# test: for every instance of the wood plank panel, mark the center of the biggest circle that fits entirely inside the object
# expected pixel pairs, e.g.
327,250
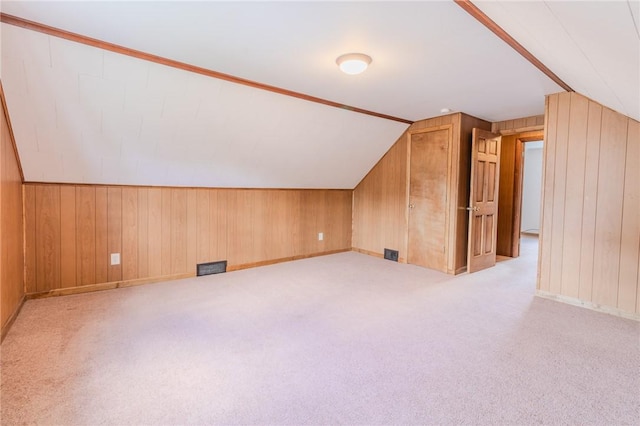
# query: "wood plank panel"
559,191
86,234
589,201
155,232
47,237
68,259
505,198
548,173
102,235
630,244
166,222
202,226
574,195
246,227
30,239
192,224
240,227
114,223
600,236
609,208
129,233
143,232
12,261
178,230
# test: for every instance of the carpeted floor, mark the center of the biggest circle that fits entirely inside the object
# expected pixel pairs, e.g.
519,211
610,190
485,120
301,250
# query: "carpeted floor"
340,339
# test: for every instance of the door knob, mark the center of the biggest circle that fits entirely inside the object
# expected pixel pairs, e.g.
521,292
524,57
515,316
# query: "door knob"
473,209
411,206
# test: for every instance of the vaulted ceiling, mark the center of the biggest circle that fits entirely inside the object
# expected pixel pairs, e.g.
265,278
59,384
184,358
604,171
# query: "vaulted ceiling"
88,115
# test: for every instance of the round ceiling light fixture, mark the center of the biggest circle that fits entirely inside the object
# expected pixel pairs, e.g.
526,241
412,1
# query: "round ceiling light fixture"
353,63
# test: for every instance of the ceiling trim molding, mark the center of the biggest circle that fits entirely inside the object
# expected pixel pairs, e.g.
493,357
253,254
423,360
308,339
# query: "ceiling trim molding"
11,135
473,10
78,38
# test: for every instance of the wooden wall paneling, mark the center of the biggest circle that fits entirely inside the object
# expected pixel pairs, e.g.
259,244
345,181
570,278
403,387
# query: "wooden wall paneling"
202,226
630,244
589,201
380,202
192,218
262,232
559,191
574,196
129,256
68,242
143,232
535,122
178,230
547,197
225,202
47,237
114,224
278,218
609,208
505,197
12,250
30,238
239,227
156,242
166,222
86,235
102,235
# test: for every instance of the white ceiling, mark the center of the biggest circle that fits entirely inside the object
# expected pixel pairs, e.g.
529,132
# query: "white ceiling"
594,46
81,114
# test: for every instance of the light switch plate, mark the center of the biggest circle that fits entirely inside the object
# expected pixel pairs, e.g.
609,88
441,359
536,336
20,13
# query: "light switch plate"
320,236
115,258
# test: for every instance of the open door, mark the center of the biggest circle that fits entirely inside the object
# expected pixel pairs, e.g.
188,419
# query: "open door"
483,200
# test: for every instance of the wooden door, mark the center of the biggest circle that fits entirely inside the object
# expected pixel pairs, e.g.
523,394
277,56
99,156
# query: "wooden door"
483,200
428,198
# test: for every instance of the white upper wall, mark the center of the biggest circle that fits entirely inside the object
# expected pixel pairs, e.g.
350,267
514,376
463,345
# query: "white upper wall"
84,115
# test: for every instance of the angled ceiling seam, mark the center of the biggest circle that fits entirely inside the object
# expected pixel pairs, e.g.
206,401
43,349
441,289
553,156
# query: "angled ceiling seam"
79,38
481,17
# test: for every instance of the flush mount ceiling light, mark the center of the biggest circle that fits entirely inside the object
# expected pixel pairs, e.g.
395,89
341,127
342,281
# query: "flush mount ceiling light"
353,63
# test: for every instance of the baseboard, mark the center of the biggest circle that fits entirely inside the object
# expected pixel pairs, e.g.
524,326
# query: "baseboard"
588,305
106,286
141,281
12,318
375,254
283,259
460,270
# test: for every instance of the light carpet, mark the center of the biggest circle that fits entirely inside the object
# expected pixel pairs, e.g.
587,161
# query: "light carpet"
340,339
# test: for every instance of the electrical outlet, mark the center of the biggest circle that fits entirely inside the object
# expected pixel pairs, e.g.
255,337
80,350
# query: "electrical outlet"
115,258
320,236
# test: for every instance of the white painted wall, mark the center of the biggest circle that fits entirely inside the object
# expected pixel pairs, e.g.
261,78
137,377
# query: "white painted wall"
531,187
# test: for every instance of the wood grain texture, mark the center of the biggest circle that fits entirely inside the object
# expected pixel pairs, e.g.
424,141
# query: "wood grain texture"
381,199
12,278
574,194
47,237
590,230
68,271
129,234
504,244
246,227
518,125
630,243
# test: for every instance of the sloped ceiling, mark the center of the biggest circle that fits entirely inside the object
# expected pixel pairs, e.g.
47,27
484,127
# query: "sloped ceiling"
594,46
82,114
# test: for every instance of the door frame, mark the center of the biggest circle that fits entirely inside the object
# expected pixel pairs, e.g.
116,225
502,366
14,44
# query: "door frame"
409,134
516,216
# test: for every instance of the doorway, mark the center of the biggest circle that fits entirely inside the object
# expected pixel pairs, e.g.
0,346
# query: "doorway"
510,201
